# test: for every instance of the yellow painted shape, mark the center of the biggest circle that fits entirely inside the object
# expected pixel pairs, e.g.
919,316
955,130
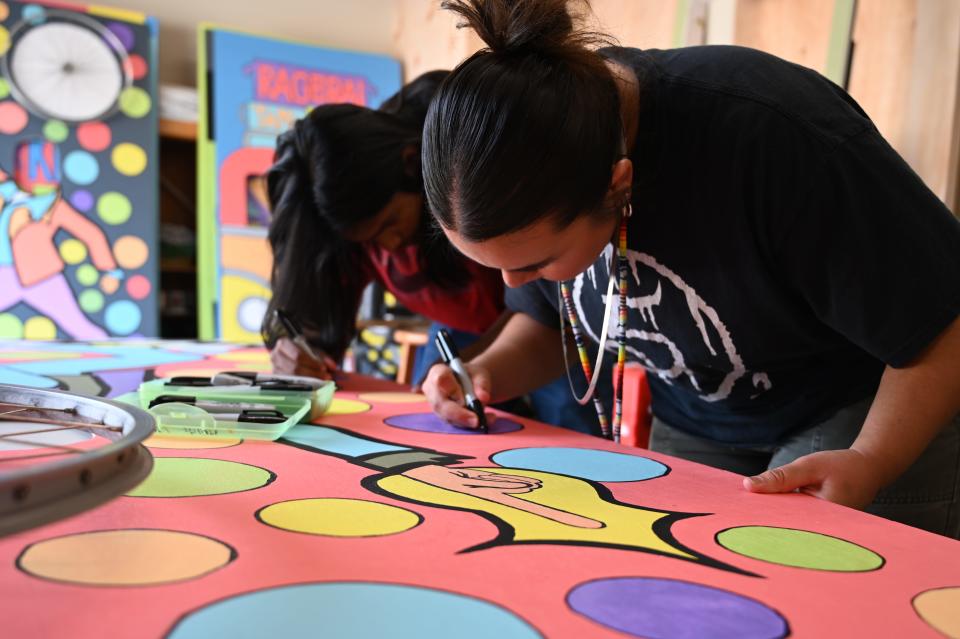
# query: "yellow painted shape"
377,340
36,356
630,526
941,609
117,14
125,557
258,355
188,443
234,290
339,517
39,328
341,406
393,398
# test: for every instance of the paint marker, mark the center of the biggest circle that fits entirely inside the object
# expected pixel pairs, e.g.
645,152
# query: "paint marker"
452,359
210,406
266,381
252,417
295,333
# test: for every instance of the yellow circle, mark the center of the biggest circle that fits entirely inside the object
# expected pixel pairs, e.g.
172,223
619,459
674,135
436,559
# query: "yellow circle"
129,159
4,40
188,443
109,284
131,252
939,609
393,398
125,557
338,517
39,328
346,407
246,355
73,251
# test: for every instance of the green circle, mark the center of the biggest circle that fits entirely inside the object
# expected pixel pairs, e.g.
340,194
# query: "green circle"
87,275
193,477
91,300
11,327
134,102
799,549
55,131
4,88
114,208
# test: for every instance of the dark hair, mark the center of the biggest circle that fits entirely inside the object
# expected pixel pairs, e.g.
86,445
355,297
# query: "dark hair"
525,129
337,167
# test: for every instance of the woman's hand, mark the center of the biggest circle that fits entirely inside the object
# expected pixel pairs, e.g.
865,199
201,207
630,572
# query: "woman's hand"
445,395
288,359
846,477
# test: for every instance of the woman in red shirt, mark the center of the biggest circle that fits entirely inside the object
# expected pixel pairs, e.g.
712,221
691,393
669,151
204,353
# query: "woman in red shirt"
348,207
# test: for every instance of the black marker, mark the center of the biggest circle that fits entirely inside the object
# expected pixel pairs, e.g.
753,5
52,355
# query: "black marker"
448,351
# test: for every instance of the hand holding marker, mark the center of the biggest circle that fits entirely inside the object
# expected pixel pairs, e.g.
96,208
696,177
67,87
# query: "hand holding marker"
452,359
294,332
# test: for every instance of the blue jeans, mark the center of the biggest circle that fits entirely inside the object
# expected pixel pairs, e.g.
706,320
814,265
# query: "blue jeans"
551,404
926,496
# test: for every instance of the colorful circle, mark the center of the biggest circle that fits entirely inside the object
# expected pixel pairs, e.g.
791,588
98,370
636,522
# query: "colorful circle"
91,300
94,136
341,406
134,102
55,131
352,609
338,517
130,251
138,287
938,607
11,326
138,67
34,13
586,463
73,251
250,313
129,159
4,85
81,168
799,549
4,11
114,208
87,275
13,118
4,39
124,34
52,436
82,200
122,317
393,398
193,477
39,328
651,607
430,423
188,443
125,557
109,284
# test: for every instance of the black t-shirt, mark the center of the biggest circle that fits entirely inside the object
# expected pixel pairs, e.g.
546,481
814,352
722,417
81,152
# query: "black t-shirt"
781,252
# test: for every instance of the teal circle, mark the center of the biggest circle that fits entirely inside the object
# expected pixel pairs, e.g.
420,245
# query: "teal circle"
4,88
352,609
91,300
122,317
34,14
55,131
114,208
586,463
81,167
88,275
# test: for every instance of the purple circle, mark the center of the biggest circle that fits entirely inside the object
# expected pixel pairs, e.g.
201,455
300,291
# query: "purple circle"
661,608
430,423
124,34
82,200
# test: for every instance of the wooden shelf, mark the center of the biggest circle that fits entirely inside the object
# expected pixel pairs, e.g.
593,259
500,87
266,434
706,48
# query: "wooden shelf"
178,130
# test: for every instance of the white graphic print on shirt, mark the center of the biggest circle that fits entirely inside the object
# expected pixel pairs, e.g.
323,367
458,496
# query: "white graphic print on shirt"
671,330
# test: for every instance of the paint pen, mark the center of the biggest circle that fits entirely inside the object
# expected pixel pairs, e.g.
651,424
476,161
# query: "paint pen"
448,351
210,406
295,333
268,381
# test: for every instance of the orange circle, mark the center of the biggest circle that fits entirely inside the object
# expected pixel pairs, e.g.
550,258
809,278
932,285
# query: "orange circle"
131,251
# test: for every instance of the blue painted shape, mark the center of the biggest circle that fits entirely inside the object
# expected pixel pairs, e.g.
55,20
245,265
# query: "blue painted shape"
356,610
336,442
586,463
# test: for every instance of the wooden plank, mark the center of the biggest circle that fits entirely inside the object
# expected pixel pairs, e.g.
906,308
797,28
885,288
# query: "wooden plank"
796,31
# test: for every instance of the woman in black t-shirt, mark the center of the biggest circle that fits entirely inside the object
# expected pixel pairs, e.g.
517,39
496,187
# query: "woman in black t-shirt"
790,284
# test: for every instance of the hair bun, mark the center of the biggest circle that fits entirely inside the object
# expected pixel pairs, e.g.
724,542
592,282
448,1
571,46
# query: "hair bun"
508,26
